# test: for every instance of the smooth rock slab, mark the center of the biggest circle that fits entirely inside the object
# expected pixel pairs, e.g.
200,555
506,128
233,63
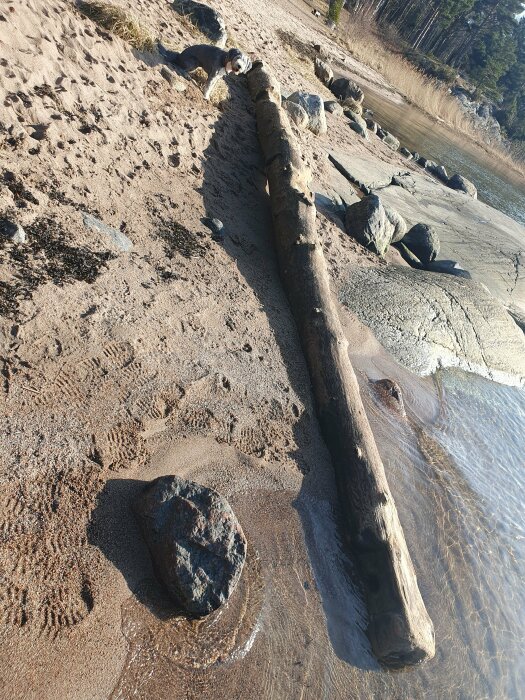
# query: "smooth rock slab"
196,542
429,320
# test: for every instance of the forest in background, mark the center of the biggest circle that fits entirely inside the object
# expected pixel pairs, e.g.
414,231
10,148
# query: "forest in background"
482,40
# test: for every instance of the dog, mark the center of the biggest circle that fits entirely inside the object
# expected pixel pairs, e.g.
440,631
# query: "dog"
214,61
316,13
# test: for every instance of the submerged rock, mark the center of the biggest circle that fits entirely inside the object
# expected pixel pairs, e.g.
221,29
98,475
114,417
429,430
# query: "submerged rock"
458,182
367,222
314,108
343,88
210,22
196,543
323,71
389,393
423,241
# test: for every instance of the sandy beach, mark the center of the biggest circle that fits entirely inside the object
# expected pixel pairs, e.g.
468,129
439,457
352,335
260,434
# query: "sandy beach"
136,345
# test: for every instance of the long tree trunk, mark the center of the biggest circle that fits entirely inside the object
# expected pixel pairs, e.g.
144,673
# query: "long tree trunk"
400,630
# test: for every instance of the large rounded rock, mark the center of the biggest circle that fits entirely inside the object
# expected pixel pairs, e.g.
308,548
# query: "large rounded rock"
423,241
458,182
323,71
367,222
333,107
343,88
314,108
205,18
297,114
397,221
196,543
358,128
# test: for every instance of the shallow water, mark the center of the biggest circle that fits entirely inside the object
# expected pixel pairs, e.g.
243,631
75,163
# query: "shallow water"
295,626
497,185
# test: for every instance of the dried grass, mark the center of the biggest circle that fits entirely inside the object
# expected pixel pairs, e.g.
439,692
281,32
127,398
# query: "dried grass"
429,94
119,22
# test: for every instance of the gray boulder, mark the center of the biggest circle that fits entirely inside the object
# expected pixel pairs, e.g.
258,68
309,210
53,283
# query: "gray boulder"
405,152
367,222
431,166
323,71
196,543
12,231
350,105
371,125
333,107
357,119
458,182
358,128
423,241
423,162
439,171
397,221
314,107
297,114
391,141
416,156
207,20
343,88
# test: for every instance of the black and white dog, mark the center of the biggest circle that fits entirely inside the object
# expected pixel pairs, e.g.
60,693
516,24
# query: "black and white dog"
216,62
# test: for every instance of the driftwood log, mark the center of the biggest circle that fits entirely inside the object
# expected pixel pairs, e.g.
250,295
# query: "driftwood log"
400,630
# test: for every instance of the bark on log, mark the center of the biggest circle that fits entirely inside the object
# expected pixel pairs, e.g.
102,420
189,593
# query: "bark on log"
400,630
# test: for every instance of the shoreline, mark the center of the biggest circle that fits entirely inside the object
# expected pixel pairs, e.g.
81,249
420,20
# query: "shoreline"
178,355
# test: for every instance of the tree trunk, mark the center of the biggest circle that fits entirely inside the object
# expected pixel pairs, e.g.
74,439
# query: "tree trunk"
400,630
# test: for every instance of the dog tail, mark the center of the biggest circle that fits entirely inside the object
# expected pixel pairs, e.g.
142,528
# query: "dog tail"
169,55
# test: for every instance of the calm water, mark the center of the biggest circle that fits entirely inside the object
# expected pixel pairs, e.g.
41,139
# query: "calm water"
497,185
294,627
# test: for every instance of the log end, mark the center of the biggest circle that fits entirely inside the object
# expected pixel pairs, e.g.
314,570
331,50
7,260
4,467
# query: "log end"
395,645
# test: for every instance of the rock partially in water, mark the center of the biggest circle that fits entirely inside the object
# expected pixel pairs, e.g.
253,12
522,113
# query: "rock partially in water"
367,222
343,88
314,108
372,125
458,182
196,542
439,171
391,141
389,393
323,71
423,241
206,19
405,152
352,106
429,320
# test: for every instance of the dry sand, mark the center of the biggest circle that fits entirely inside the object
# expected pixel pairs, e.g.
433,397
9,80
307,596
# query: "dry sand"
179,355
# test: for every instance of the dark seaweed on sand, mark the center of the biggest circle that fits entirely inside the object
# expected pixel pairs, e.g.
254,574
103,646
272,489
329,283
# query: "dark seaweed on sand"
46,257
178,239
